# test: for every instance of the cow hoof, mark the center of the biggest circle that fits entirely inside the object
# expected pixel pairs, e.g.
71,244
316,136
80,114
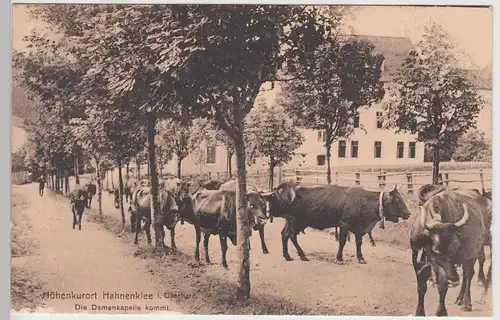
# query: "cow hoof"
288,258
136,242
361,261
374,245
441,313
481,279
225,266
265,251
459,301
304,258
466,307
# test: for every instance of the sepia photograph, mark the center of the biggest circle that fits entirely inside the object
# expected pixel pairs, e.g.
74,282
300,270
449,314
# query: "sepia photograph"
249,159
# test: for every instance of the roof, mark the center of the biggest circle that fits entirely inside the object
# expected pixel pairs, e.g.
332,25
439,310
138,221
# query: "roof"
394,49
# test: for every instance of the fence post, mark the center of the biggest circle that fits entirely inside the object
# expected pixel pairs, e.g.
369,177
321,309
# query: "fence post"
481,177
447,179
210,175
358,178
297,175
381,179
441,179
409,180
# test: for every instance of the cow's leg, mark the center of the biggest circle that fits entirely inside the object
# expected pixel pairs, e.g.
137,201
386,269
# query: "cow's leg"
74,216
337,234
172,238
441,310
198,239
205,245
132,222
285,235
344,231
372,242
359,243
262,241
423,274
147,227
293,237
223,246
80,214
137,226
460,297
467,278
481,259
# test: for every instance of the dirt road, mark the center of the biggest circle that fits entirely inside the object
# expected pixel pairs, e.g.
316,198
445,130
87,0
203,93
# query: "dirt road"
91,261
96,260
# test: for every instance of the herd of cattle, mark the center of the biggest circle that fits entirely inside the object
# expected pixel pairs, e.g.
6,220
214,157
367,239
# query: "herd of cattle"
451,229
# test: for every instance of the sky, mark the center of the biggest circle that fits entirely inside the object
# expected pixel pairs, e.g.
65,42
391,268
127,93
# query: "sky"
470,28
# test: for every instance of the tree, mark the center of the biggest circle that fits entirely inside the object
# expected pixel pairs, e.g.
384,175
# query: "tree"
275,137
473,146
341,77
431,97
17,160
177,140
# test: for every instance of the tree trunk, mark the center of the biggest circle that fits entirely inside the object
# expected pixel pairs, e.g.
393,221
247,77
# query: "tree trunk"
138,170
107,179
58,181
243,226
156,215
120,192
179,166
99,186
435,165
329,168
271,173
75,164
66,181
148,172
128,172
229,165
111,173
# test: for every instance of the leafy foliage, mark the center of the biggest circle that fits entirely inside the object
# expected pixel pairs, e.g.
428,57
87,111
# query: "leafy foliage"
431,97
274,135
340,77
473,146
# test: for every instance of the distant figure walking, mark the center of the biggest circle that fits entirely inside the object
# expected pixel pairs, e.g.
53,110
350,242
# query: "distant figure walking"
41,185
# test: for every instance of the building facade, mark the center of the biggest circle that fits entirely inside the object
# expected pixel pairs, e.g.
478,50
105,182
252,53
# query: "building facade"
370,144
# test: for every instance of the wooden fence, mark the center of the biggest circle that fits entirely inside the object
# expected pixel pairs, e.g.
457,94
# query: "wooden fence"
408,181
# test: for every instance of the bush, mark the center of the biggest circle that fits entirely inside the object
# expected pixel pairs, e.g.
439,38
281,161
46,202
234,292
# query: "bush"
473,146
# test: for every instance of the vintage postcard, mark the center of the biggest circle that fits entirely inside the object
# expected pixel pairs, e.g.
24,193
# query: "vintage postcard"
251,160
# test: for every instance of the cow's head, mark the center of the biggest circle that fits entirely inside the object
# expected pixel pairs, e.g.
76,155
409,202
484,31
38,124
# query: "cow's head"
394,206
441,234
256,211
283,196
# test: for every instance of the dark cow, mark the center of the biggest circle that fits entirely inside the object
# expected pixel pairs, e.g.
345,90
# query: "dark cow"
482,255
231,185
214,212
78,201
351,209
141,200
91,191
450,230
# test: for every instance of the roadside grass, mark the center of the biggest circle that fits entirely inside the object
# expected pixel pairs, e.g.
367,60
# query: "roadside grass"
25,287
179,272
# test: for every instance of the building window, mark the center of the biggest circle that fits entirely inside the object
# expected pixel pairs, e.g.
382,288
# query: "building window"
321,136
342,146
356,121
321,160
378,149
354,149
211,154
379,120
412,150
401,149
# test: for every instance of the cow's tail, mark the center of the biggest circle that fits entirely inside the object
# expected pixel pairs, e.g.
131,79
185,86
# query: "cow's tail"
488,282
